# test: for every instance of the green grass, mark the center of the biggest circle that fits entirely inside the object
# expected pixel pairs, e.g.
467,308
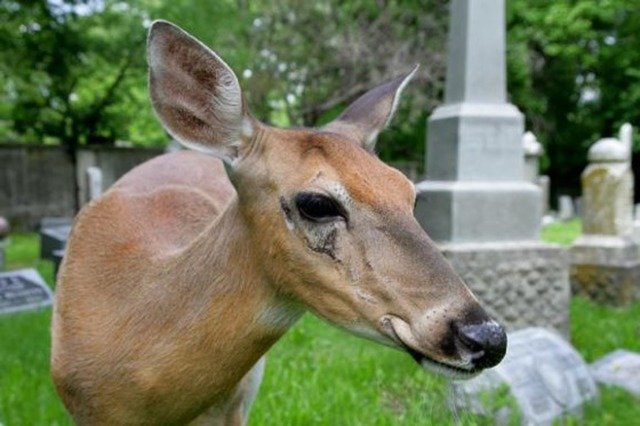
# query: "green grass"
562,232
27,396
316,375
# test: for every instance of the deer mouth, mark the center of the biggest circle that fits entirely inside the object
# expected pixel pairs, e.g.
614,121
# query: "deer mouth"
461,371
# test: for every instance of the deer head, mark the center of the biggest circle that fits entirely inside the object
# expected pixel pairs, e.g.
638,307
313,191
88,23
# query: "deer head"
332,225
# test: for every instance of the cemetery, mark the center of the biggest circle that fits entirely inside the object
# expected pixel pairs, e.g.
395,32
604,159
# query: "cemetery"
551,251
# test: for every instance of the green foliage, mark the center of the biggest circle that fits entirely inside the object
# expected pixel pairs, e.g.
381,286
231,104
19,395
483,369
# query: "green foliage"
574,69
73,71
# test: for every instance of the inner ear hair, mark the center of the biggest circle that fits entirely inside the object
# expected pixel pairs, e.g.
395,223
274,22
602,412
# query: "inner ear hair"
195,94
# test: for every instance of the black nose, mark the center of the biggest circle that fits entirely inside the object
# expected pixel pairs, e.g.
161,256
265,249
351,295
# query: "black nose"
487,342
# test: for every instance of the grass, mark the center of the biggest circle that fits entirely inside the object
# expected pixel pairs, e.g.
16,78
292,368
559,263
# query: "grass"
563,233
316,375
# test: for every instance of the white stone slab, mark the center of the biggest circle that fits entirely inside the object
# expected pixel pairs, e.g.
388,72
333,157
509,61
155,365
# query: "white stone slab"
619,368
545,375
566,209
23,290
94,182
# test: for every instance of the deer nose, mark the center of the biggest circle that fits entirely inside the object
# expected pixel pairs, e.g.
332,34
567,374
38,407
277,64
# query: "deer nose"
486,342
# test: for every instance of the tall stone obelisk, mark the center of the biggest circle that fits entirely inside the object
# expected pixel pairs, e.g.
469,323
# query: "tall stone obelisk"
475,189
475,201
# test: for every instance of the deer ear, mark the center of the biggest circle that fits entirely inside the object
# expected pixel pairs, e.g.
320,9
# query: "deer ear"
195,94
371,113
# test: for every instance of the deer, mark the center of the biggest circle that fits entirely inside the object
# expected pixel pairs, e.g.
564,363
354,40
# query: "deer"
180,277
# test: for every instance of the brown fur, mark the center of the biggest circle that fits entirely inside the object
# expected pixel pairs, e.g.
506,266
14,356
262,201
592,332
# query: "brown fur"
179,279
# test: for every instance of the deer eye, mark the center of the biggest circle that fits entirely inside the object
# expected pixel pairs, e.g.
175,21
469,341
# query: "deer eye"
319,208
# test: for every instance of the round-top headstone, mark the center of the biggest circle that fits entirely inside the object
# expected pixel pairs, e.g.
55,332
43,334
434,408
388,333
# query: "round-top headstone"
531,145
626,135
609,150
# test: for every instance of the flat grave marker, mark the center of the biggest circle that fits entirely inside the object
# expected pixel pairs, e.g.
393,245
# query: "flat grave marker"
52,239
23,290
619,368
544,374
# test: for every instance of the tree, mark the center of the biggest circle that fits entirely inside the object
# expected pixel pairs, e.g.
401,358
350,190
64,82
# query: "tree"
71,70
314,58
574,69
74,71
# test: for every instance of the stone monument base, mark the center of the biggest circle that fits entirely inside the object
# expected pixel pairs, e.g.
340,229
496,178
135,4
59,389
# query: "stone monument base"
606,269
521,284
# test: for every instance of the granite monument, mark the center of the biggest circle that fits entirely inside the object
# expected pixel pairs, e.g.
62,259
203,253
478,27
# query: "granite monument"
475,202
605,260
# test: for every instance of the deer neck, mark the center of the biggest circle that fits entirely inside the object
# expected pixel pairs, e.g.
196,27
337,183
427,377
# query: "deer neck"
232,314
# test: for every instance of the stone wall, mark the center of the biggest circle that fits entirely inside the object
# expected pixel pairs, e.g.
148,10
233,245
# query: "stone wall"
35,182
114,162
521,284
40,181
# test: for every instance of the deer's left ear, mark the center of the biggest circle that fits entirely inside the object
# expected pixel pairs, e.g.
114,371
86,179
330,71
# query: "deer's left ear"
371,113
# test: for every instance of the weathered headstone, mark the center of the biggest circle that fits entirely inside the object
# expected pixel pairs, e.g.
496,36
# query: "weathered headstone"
54,222
475,202
605,260
4,233
94,182
566,209
544,374
533,150
54,233
619,368
52,239
23,290
636,223
57,260
577,203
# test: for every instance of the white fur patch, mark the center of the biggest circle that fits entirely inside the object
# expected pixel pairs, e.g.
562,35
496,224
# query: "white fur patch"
396,98
340,193
368,332
279,316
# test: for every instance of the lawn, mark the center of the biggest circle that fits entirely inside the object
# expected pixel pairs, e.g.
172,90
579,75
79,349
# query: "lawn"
316,375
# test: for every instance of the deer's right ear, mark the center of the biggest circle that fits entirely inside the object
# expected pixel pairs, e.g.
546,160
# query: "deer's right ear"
195,94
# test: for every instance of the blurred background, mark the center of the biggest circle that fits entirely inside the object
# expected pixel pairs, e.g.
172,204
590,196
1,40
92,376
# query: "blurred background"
73,95
73,73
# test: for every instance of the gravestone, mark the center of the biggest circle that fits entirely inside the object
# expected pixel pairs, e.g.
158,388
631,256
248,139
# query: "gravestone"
566,208
636,223
577,203
475,202
605,260
619,368
94,182
543,373
4,234
53,222
54,233
23,290
533,150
